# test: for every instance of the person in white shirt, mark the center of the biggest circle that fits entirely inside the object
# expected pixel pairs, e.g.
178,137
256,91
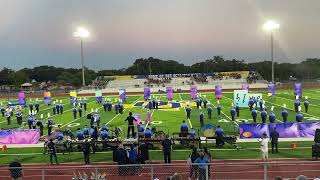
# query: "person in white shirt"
264,147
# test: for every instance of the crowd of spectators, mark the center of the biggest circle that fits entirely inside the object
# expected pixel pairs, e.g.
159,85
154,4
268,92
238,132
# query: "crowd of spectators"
221,76
252,77
158,81
200,78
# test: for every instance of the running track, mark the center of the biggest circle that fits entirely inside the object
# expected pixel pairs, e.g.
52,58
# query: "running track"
226,169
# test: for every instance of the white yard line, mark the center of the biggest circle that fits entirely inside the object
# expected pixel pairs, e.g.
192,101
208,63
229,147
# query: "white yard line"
294,100
180,97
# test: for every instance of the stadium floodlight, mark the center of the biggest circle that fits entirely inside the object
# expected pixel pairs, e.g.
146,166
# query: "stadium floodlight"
82,33
271,26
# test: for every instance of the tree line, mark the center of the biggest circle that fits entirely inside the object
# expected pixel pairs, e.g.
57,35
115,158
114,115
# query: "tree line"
308,69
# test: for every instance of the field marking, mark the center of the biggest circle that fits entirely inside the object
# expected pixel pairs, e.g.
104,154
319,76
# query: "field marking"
226,116
190,123
294,100
79,117
180,97
292,109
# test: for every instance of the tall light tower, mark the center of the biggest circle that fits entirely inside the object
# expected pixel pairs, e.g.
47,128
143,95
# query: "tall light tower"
271,26
82,33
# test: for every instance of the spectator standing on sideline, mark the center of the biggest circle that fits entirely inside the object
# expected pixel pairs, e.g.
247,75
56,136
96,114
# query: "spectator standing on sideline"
274,136
264,147
193,168
133,156
122,159
52,151
143,153
202,162
207,155
166,148
15,169
86,151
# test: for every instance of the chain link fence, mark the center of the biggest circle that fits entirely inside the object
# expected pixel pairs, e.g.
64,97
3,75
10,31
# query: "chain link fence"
178,171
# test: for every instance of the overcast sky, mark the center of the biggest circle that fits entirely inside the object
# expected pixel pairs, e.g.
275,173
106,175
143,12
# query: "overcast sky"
38,32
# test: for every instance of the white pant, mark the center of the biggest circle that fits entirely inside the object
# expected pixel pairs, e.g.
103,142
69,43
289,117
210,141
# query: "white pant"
264,155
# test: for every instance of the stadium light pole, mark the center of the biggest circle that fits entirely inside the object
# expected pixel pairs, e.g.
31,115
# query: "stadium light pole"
271,26
82,33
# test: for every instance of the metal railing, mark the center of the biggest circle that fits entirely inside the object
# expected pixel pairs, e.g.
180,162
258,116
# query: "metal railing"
178,171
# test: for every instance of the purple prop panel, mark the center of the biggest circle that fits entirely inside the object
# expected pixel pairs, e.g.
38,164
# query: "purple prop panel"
218,91
286,130
193,92
272,89
253,130
147,93
73,100
169,93
47,100
22,98
138,118
122,94
99,99
298,89
245,87
19,136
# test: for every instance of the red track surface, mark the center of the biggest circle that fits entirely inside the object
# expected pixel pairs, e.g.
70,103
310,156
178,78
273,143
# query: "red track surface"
228,169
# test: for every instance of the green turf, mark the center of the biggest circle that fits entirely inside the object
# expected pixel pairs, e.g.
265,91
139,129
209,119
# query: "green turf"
246,151
170,121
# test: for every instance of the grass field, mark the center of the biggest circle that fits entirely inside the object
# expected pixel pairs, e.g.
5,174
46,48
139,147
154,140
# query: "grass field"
169,120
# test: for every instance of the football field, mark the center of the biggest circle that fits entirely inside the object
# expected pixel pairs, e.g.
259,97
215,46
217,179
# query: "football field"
170,116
